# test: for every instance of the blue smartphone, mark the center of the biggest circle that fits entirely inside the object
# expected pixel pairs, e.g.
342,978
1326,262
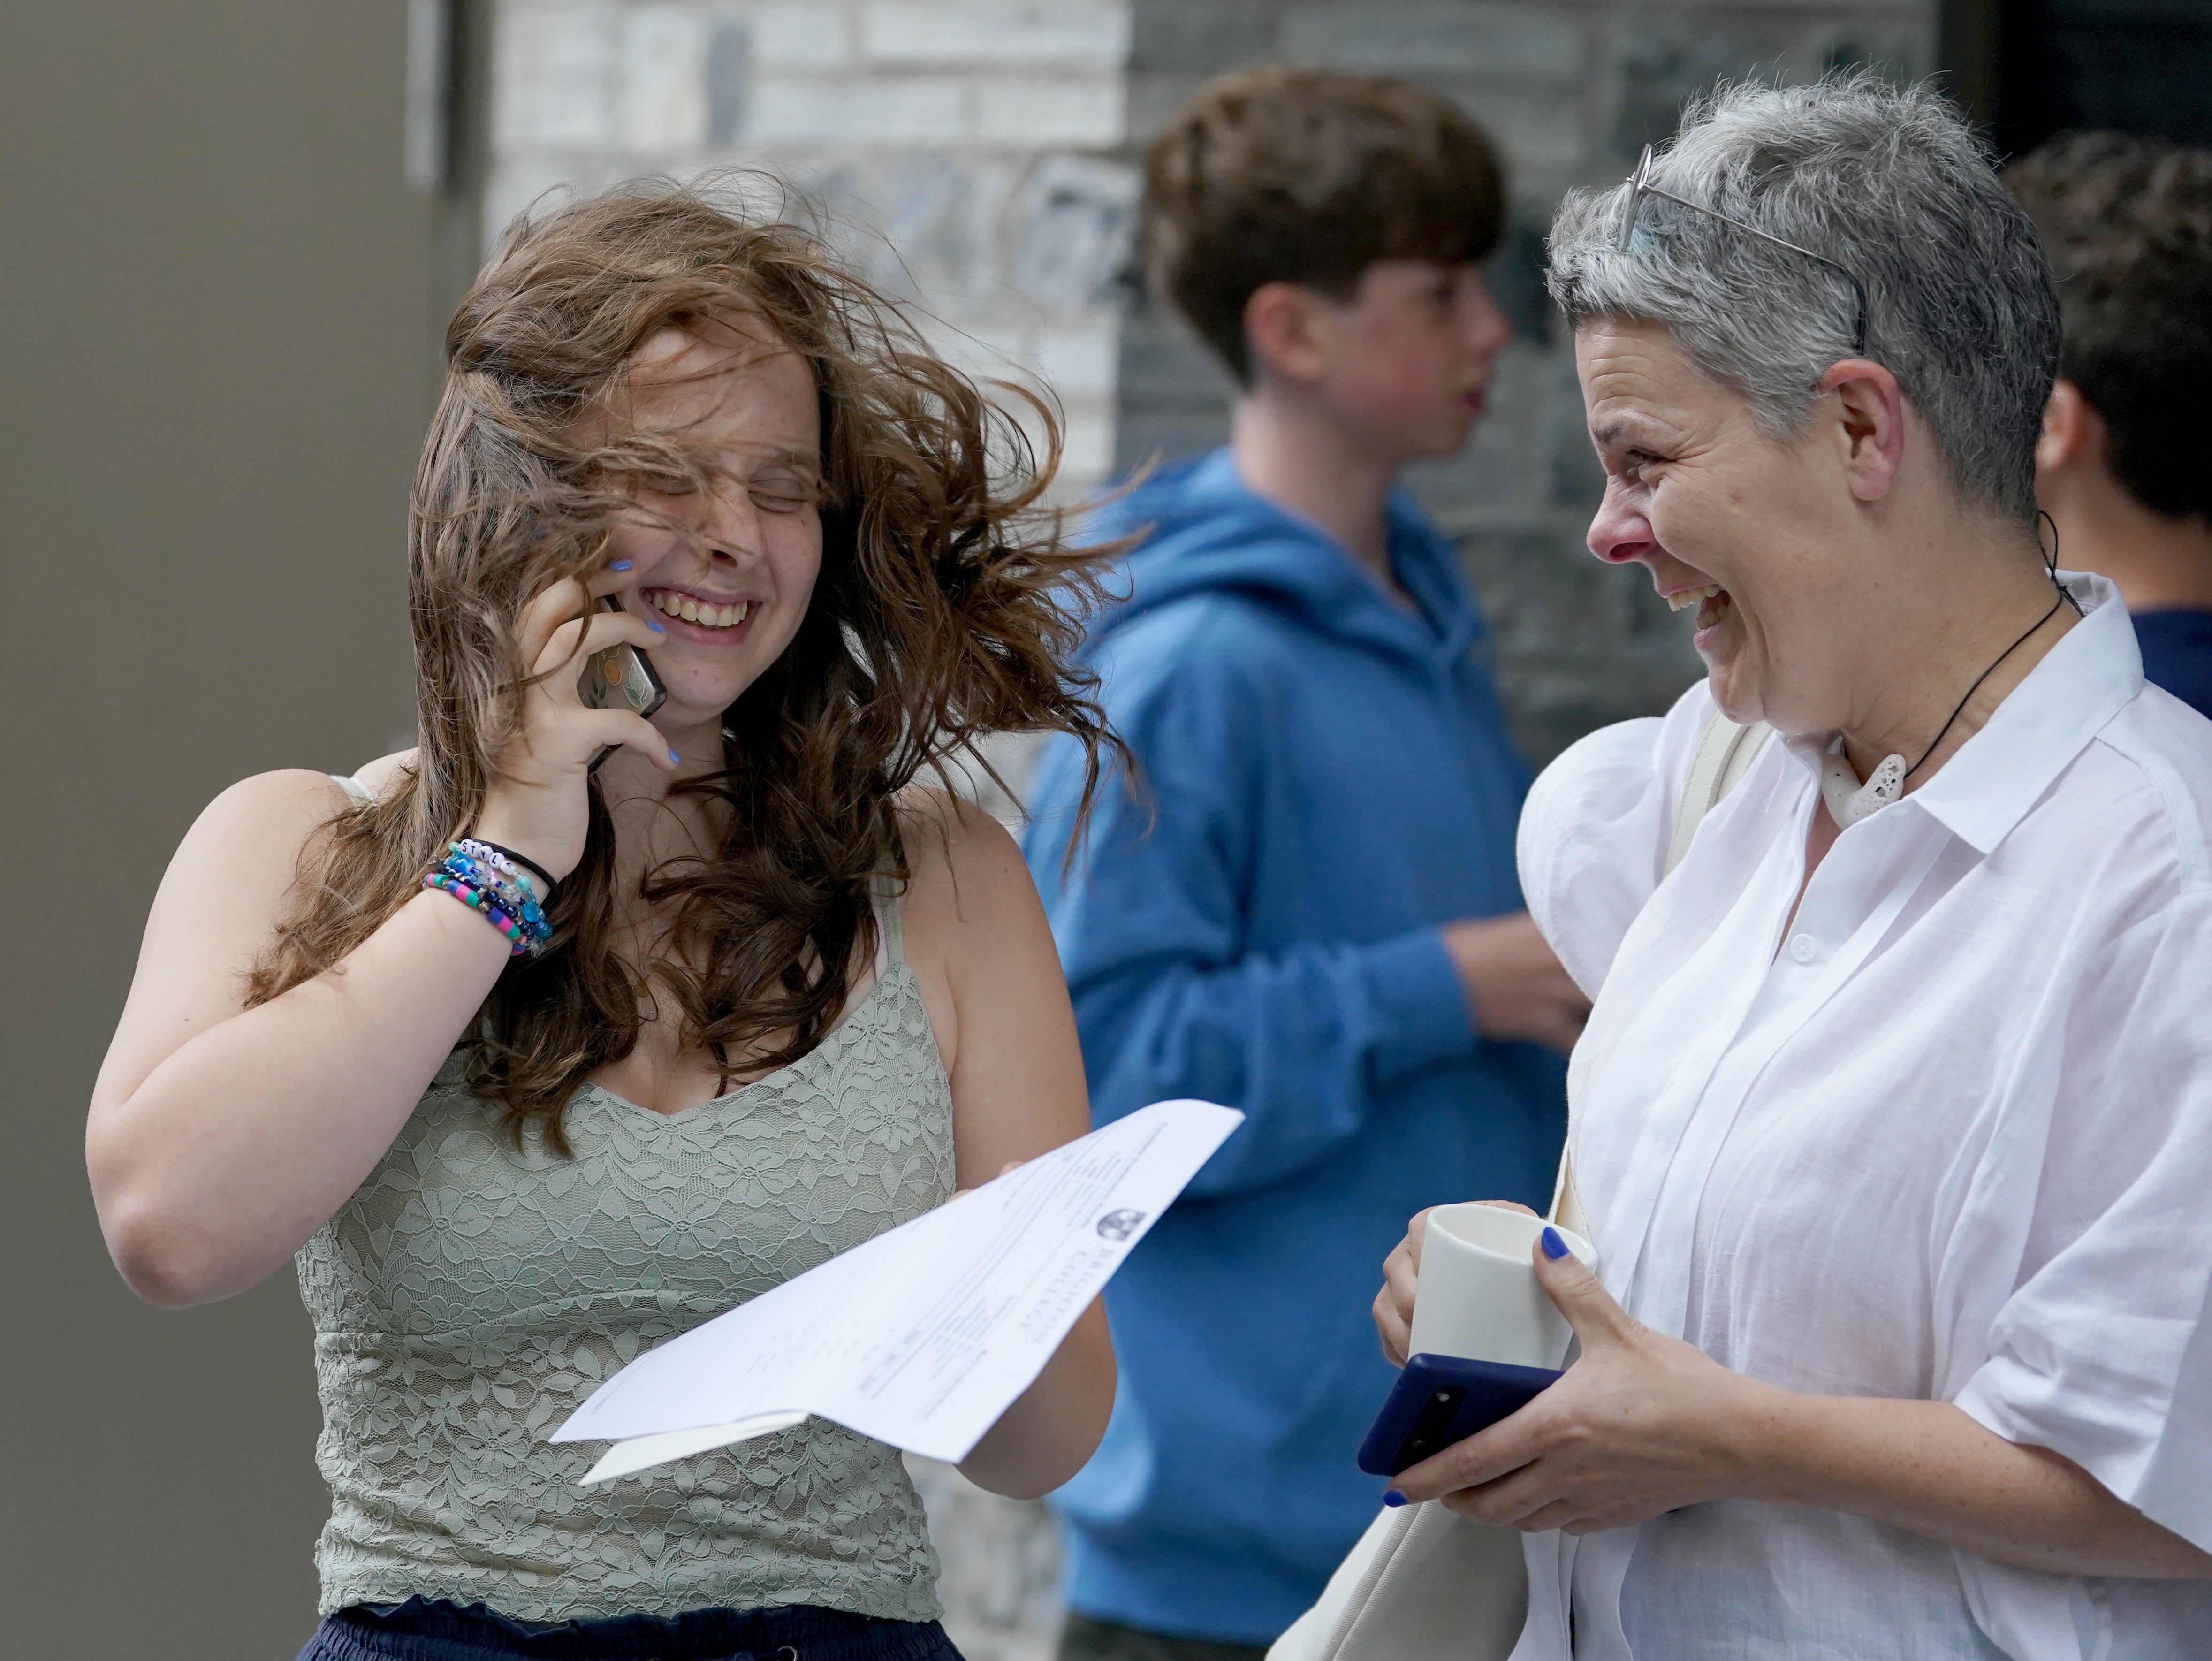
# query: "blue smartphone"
1442,1399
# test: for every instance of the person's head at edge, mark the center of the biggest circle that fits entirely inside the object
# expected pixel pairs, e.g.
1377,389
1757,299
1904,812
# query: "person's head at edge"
1857,531
1324,232
2121,466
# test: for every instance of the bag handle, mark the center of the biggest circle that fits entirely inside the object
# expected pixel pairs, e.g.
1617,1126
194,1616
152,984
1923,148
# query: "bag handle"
1724,754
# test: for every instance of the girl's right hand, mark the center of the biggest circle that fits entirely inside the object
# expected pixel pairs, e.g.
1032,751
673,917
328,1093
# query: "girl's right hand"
540,804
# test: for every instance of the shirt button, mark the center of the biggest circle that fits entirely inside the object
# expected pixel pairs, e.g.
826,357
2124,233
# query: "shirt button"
1804,948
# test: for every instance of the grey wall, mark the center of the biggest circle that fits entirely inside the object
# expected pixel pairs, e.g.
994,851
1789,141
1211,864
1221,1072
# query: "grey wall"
215,323
957,147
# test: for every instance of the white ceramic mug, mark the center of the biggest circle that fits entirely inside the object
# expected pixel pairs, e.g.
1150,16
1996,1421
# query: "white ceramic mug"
1477,1295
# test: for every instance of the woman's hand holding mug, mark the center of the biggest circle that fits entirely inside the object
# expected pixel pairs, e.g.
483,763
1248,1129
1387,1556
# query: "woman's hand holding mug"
1640,1423
540,804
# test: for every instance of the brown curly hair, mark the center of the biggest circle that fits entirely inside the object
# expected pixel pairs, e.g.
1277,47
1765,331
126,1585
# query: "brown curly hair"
946,608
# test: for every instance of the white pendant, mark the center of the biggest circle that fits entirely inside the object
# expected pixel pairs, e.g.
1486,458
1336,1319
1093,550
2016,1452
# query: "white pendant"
1849,801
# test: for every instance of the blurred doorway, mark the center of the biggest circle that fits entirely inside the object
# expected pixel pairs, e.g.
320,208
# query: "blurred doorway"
221,299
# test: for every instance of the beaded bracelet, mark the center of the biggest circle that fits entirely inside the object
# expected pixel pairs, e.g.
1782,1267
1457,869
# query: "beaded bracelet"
506,858
502,873
505,883
512,912
510,896
517,943
477,900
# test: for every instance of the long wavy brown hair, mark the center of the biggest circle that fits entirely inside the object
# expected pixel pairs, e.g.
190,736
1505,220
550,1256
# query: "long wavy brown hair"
947,607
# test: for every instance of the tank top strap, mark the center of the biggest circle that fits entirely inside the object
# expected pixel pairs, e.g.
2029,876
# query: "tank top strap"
890,933
353,788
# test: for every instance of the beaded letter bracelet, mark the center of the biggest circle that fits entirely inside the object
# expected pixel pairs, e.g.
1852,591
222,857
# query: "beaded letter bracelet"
520,867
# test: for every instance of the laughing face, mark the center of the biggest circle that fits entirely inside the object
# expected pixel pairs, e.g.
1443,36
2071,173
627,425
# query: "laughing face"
727,574
1750,532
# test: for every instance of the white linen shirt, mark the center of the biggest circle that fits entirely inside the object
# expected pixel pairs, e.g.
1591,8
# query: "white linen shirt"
1950,1140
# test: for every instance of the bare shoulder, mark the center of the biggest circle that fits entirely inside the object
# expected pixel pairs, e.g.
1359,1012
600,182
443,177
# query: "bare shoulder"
269,809
213,915
964,862
990,974
242,854
971,915
277,812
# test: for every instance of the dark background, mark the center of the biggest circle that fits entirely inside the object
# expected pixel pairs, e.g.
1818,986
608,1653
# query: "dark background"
220,298
2047,65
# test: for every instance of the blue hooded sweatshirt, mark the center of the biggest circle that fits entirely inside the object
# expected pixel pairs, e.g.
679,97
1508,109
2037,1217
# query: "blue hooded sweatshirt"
1326,779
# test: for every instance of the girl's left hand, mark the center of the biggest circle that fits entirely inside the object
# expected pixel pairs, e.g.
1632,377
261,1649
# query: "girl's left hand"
1641,1424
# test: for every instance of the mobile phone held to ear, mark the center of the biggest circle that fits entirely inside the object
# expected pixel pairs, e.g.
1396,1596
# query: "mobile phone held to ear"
1439,1400
619,677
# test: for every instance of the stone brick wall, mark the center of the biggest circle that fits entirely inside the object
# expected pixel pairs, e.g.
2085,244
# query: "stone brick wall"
981,157
965,150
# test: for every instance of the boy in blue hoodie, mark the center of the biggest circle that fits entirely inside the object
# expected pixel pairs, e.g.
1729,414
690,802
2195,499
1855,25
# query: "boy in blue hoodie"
1305,906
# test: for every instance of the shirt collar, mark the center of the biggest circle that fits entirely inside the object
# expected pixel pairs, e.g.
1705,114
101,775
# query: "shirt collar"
1996,775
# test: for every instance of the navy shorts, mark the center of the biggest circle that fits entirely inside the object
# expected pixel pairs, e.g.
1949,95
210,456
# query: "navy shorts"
420,1630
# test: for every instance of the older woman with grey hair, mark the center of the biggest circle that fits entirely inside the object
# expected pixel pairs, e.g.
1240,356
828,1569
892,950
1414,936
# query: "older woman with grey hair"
1892,1127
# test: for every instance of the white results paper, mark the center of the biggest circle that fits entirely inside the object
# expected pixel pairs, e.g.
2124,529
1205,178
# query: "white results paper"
924,1336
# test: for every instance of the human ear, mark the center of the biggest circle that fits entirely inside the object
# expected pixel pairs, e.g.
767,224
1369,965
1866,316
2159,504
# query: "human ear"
1284,329
1869,415
2073,431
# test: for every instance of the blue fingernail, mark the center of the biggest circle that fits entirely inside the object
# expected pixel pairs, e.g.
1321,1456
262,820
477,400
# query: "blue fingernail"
619,565
1554,1247
672,756
655,627
1393,1498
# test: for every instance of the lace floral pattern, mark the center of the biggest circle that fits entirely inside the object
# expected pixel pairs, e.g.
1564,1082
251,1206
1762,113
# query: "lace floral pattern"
468,1298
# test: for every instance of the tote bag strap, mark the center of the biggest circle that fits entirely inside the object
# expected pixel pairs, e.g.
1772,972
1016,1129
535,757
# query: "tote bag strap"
1566,1205
1724,754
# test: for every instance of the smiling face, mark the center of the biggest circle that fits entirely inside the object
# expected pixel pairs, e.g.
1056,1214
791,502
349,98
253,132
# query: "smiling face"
1761,537
727,573
1408,358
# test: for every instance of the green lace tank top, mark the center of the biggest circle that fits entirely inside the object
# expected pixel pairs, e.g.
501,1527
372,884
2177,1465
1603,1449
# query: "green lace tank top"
468,1298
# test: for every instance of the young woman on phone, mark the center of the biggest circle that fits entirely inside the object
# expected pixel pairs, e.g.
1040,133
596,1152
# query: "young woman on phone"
568,1029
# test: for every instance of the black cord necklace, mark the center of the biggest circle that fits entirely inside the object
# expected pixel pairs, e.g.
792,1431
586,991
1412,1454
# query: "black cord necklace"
2051,564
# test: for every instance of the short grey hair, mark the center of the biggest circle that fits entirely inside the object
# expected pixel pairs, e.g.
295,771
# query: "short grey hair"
1889,183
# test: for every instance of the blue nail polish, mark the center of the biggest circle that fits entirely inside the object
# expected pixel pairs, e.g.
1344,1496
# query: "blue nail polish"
655,627
619,565
1393,1498
1554,1247
672,756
